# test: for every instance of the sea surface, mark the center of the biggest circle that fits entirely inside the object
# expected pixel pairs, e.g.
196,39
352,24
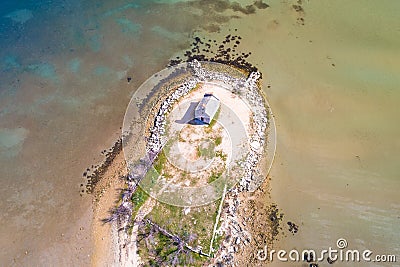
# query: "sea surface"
333,84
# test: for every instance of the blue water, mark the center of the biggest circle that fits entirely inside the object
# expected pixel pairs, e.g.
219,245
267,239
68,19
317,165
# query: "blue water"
63,94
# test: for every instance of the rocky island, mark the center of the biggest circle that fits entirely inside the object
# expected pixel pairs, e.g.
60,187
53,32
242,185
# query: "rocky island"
186,178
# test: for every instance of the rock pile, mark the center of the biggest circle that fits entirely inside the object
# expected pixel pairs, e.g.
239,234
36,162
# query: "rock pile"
155,142
257,140
235,234
225,52
94,174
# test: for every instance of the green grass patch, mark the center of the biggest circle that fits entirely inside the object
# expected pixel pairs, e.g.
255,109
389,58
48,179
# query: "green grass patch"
214,176
160,161
215,119
221,155
138,198
218,140
217,241
198,151
206,149
195,228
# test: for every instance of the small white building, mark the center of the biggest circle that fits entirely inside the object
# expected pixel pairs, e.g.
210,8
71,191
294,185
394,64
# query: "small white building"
207,108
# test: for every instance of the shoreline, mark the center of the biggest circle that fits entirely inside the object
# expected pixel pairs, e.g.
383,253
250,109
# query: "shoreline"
106,195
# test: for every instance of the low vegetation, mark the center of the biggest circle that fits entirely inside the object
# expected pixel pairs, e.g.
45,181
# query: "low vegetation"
215,119
138,199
